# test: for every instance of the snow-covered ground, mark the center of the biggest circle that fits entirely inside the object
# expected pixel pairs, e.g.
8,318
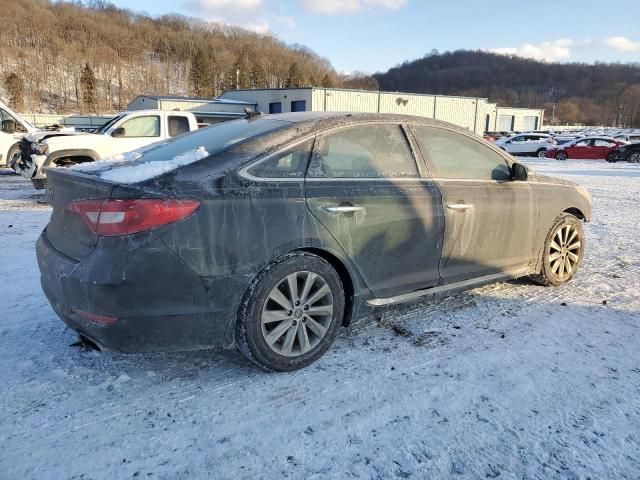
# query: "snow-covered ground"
512,380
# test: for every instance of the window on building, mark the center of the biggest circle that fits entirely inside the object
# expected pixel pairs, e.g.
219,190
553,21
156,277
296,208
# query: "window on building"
455,156
178,125
292,163
298,105
148,126
365,151
275,107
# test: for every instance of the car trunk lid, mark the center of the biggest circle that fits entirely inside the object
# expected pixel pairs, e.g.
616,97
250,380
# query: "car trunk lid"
66,231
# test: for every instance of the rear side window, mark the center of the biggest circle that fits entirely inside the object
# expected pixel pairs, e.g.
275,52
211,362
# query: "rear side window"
292,163
455,156
178,125
364,151
142,127
603,143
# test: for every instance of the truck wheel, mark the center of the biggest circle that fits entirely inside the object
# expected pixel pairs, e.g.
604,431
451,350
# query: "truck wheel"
13,151
291,313
562,252
39,183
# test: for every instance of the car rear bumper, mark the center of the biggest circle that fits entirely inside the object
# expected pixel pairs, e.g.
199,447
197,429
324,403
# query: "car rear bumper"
150,313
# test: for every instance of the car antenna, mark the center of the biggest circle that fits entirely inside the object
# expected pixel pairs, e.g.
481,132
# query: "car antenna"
251,113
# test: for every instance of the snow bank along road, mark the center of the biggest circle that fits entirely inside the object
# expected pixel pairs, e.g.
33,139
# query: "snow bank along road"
511,380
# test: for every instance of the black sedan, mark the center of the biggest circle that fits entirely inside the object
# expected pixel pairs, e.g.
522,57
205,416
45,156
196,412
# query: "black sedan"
629,153
270,233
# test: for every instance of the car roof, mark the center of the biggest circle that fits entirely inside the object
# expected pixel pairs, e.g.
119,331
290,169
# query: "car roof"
331,119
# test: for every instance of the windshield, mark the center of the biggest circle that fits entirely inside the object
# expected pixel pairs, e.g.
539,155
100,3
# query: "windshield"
106,126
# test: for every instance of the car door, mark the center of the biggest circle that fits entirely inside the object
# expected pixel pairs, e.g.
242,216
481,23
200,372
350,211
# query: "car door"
580,149
490,220
366,188
601,148
136,132
516,145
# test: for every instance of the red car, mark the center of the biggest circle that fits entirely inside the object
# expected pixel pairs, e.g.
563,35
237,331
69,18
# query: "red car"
592,148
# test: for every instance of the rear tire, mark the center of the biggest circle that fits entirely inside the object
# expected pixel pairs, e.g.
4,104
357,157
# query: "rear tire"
634,158
562,252
291,313
542,153
562,156
611,158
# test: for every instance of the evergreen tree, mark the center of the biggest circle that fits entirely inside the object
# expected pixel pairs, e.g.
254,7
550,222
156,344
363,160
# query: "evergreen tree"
200,76
295,78
88,85
15,88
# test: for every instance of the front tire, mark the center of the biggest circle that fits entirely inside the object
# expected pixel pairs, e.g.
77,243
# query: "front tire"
563,251
634,158
13,151
291,313
39,183
562,156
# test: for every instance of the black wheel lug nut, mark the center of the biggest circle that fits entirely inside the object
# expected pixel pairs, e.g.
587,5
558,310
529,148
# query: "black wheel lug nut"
297,303
306,307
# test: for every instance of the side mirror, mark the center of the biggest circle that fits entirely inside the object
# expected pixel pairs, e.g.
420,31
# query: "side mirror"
8,126
118,132
519,172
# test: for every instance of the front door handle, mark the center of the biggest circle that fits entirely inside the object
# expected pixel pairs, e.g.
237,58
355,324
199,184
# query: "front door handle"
337,209
459,206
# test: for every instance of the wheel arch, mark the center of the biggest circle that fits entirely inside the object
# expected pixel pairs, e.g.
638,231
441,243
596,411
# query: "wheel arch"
345,278
576,212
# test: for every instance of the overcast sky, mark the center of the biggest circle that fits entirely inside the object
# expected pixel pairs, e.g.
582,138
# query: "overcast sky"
374,35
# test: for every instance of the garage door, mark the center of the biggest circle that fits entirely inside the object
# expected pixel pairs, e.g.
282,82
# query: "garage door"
505,123
530,123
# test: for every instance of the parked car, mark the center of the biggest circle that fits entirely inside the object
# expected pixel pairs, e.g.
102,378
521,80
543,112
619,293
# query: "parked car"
589,148
626,153
527,144
12,129
270,233
125,132
629,137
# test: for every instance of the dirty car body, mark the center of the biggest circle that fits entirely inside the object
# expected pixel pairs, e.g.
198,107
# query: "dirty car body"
275,190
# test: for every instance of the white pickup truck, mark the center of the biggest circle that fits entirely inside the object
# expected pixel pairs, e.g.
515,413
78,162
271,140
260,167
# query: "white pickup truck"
12,129
123,133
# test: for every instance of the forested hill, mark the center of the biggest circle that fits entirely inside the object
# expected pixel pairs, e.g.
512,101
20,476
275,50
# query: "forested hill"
589,93
46,47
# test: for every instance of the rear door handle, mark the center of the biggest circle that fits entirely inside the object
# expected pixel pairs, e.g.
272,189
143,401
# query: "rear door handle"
459,206
342,208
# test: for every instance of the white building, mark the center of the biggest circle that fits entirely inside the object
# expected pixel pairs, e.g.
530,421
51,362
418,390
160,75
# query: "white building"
475,114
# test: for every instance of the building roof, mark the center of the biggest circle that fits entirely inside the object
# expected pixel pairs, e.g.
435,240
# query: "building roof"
177,98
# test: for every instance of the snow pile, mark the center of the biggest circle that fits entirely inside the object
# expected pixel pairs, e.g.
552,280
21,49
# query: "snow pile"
106,163
146,171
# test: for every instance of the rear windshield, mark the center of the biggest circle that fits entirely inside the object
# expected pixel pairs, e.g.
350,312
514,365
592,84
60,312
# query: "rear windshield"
159,158
214,139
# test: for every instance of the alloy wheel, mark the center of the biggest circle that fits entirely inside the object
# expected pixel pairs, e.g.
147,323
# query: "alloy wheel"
297,314
634,158
561,156
564,251
542,154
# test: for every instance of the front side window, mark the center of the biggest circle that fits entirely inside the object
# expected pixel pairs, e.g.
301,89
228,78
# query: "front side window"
292,163
142,127
364,151
582,143
456,156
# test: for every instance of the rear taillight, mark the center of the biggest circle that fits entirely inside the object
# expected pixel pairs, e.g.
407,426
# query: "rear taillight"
111,218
